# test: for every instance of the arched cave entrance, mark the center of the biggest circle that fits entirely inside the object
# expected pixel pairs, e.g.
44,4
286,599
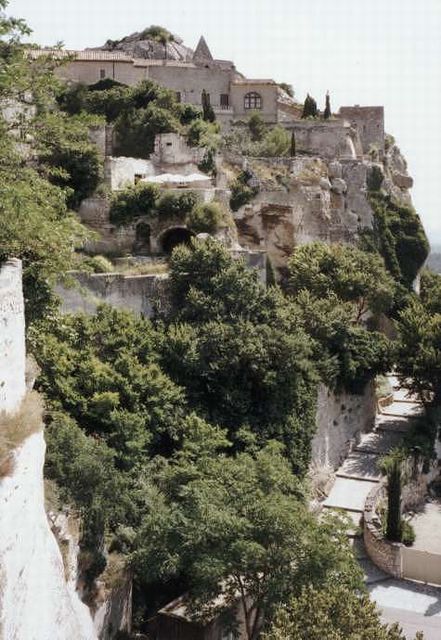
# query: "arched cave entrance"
142,239
174,236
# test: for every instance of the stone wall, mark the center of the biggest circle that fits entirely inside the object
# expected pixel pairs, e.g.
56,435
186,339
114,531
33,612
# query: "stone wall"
120,172
369,121
386,555
340,420
12,336
332,139
143,294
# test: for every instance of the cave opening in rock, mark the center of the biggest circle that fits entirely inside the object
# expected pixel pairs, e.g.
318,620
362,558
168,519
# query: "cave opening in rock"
173,237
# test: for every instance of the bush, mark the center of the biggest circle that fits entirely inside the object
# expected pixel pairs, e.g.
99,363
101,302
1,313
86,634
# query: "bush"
257,127
205,218
407,533
136,129
241,193
276,143
177,205
133,202
98,264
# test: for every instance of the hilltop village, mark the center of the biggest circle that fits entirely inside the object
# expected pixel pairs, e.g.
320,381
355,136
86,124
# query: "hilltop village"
205,283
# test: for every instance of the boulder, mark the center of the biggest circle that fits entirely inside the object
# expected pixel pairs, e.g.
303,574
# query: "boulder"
339,185
402,180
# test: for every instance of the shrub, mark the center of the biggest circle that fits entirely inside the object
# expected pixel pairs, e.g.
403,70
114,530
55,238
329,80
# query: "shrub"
177,205
187,113
136,129
205,218
133,202
276,143
241,193
98,264
257,127
203,134
408,533
208,164
309,107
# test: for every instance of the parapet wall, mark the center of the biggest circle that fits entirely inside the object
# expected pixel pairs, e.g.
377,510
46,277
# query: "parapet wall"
12,336
331,140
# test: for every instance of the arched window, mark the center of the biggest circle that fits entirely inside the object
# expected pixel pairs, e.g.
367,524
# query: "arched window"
253,100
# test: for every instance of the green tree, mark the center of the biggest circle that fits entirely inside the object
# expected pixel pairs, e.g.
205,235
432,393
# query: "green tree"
207,110
257,127
292,151
394,481
334,612
418,351
237,527
309,108
350,273
206,218
133,202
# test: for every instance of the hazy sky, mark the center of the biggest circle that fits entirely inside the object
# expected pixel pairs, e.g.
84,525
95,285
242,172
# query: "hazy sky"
365,52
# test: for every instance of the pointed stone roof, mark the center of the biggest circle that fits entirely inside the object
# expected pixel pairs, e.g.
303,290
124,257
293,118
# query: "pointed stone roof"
202,51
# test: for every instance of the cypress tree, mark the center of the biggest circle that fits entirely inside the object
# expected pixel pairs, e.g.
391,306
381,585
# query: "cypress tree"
327,112
207,109
293,145
394,528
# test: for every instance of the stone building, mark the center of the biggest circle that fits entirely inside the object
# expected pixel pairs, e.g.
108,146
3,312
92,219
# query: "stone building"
369,122
185,72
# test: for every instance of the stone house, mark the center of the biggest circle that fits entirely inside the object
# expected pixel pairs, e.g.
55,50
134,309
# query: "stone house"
231,95
173,622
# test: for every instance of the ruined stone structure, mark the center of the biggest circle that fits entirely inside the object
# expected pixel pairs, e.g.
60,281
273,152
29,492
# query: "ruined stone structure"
369,121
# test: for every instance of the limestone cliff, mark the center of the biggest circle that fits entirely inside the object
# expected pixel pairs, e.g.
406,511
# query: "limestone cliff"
36,601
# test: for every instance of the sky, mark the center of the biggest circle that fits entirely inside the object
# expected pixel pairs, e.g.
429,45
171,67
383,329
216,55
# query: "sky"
373,52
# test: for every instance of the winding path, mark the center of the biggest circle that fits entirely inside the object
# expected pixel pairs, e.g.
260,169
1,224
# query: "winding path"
413,605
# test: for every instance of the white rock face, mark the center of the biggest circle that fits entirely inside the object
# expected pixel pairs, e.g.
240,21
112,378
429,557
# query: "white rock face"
12,337
35,601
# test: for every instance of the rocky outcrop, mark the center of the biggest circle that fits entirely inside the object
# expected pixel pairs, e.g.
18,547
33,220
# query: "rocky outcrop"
141,45
36,602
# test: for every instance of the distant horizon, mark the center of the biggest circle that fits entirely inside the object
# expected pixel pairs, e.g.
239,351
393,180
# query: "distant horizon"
377,54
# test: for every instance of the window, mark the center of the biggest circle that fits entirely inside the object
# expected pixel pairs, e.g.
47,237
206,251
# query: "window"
253,100
102,74
178,96
224,101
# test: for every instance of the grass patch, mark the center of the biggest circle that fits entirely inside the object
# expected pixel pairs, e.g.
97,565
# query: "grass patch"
16,427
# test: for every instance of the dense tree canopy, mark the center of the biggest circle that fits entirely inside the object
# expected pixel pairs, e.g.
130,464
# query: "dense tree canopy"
332,613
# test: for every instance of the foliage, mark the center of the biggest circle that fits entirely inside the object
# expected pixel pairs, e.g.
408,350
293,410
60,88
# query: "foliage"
132,202
407,533
37,228
103,371
160,34
205,218
207,110
136,129
309,108
208,163
258,542
257,127
287,88
292,149
97,264
188,113
394,484
398,236
180,205
201,133
331,612
238,355
347,272
276,143
241,192
72,161
419,350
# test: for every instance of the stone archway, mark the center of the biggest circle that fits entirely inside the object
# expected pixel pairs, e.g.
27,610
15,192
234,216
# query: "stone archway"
143,234
174,236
